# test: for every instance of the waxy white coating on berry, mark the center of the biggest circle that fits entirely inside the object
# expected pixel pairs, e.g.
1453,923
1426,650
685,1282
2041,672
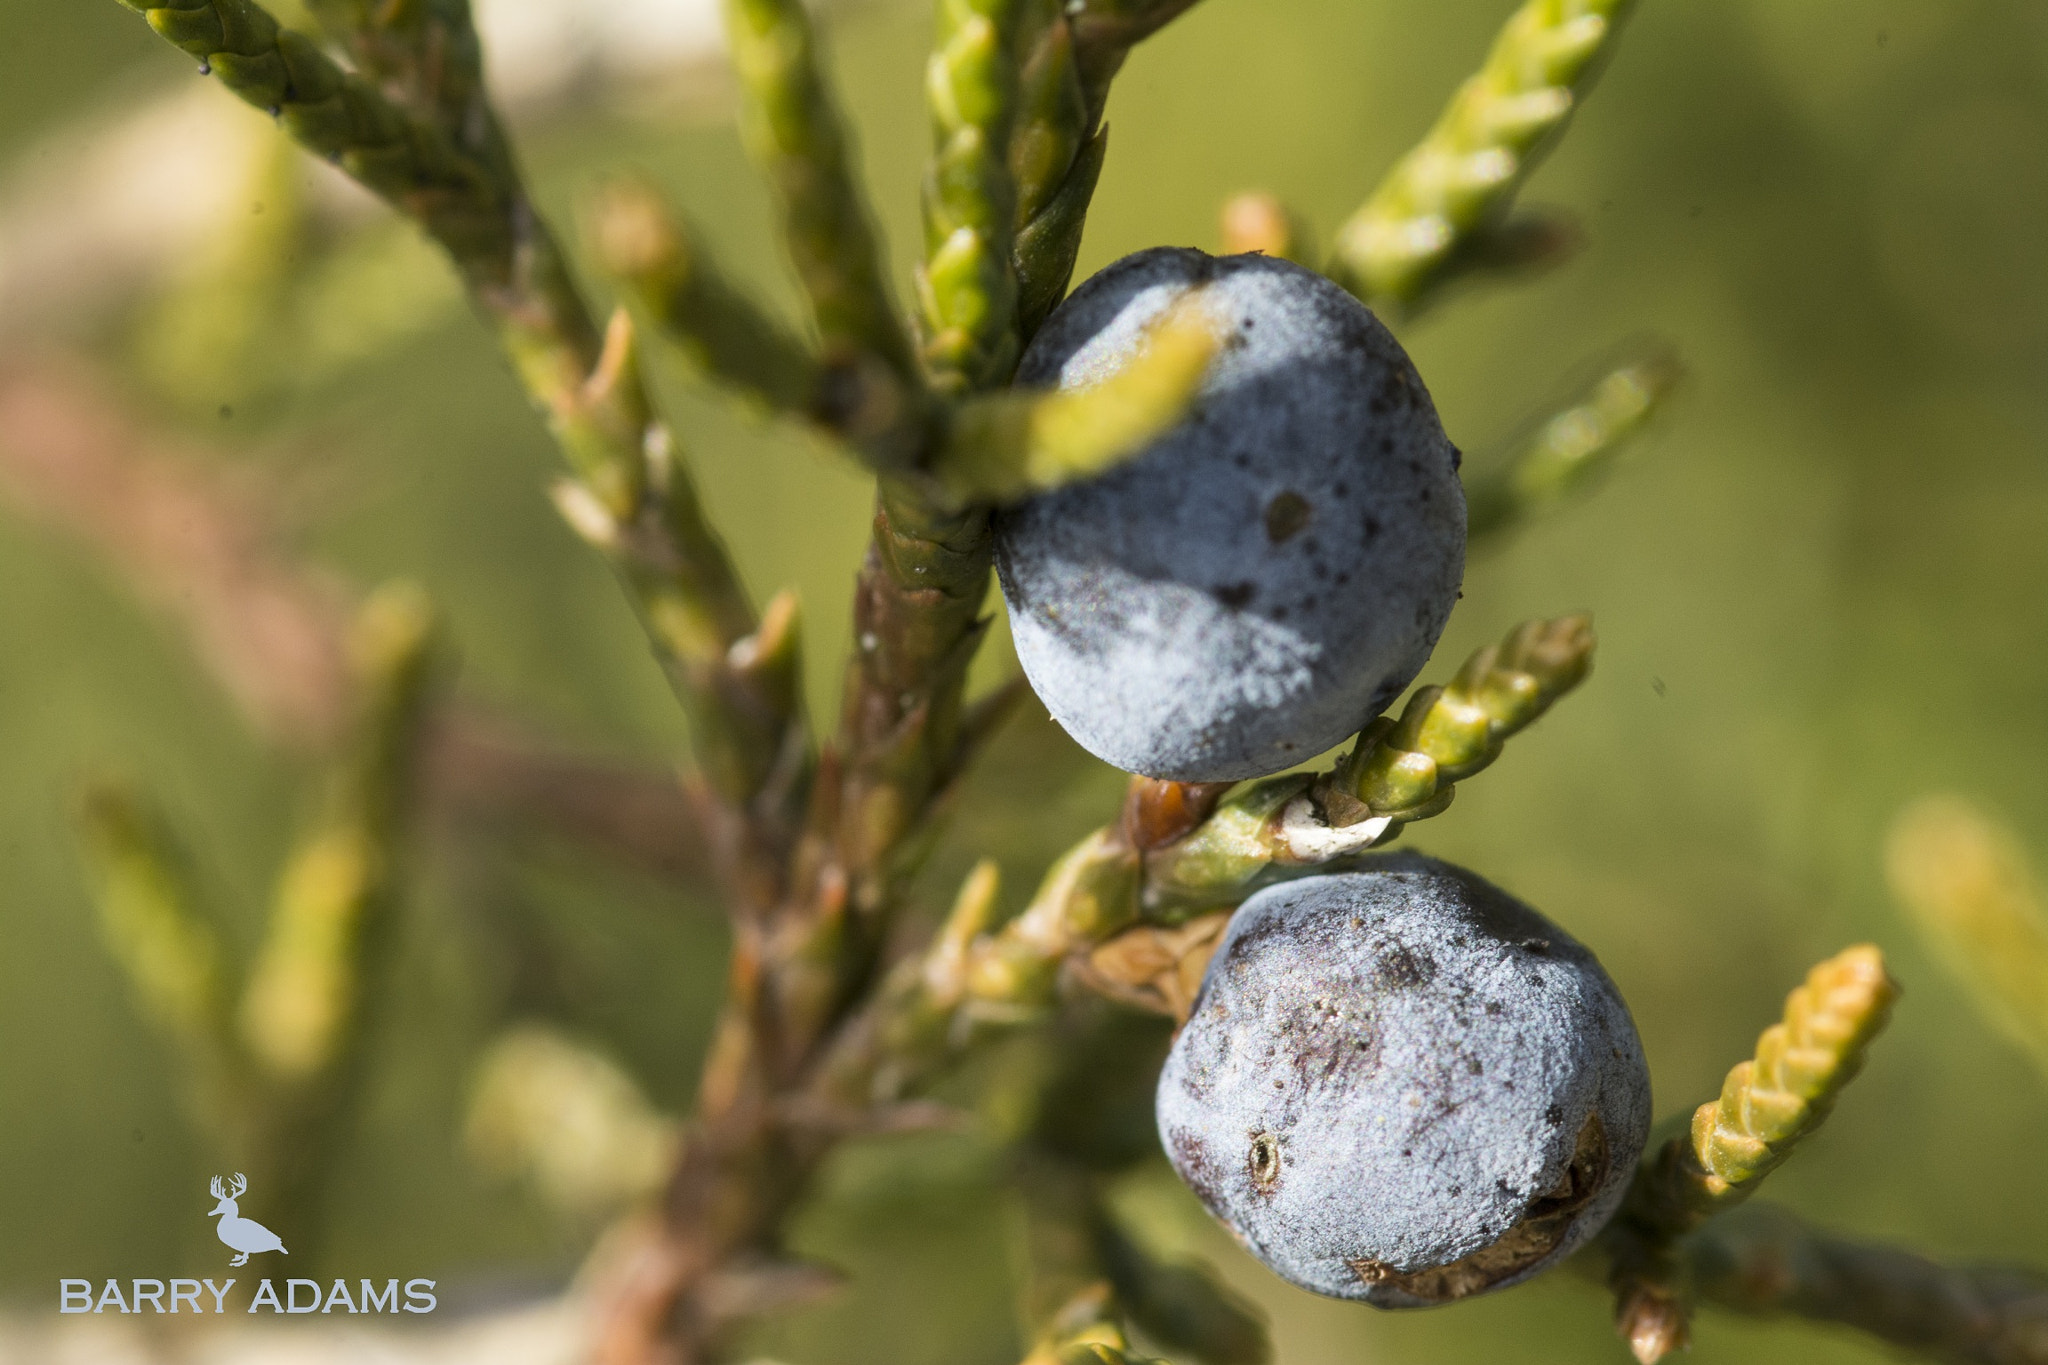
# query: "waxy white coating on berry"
1404,1086
1266,577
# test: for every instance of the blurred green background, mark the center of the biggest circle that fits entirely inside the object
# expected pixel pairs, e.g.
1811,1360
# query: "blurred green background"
1821,590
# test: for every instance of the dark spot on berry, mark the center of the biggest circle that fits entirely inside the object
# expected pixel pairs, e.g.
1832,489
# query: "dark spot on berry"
1236,596
1286,514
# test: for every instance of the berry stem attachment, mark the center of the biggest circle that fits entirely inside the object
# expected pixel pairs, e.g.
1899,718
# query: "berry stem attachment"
1135,907
1458,184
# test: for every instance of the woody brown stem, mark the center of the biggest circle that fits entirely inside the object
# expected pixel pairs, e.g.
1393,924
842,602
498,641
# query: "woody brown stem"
1765,1261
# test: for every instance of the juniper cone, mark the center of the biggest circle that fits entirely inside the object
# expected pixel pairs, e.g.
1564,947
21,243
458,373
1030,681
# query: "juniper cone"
1402,1085
1267,576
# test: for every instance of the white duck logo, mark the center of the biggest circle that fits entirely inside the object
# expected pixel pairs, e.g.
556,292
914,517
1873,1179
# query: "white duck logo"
245,1235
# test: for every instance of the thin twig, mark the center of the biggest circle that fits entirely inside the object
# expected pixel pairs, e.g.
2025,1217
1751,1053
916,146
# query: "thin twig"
1765,1261
1460,180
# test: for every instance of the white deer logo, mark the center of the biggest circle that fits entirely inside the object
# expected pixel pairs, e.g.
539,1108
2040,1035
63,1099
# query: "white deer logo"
245,1235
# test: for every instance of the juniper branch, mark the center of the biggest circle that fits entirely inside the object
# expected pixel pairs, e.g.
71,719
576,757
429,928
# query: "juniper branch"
1053,163
1073,52
1765,1261
917,623
1134,905
631,498
668,273
345,119
796,135
1773,1101
1004,446
1395,773
1049,242
798,971
1767,1106
1460,181
967,283
425,57
1447,734
917,601
1575,447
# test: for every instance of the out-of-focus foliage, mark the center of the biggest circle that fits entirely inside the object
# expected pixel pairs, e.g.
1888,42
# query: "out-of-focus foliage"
1965,881
566,1118
1819,589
